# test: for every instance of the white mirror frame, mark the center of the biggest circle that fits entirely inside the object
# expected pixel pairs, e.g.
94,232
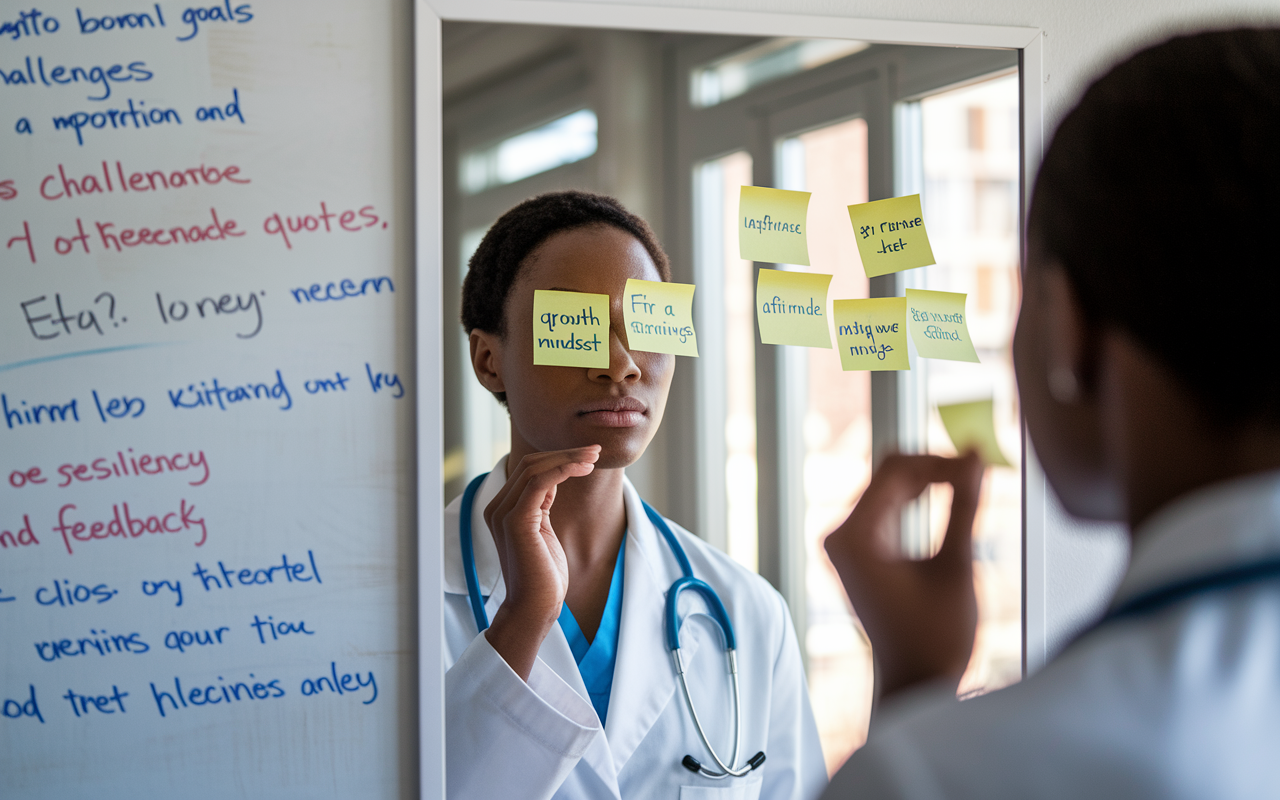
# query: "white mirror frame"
428,15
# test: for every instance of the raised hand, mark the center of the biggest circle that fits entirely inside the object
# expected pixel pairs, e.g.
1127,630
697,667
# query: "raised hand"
533,562
919,615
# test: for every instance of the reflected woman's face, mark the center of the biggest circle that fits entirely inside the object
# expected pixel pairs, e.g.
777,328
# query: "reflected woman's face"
555,408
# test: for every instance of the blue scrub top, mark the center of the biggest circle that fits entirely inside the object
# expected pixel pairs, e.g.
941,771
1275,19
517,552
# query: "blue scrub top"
597,658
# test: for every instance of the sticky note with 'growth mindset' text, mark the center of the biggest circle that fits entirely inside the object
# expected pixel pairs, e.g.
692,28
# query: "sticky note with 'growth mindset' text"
659,317
938,327
791,308
891,235
570,329
773,225
872,333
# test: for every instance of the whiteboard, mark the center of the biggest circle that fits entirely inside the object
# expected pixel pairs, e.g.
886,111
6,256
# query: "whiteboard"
206,400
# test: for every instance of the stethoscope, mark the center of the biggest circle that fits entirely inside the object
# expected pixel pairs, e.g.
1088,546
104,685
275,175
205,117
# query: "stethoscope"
672,617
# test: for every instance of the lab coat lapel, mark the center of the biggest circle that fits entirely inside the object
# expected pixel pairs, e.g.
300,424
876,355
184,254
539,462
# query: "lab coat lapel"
556,654
643,676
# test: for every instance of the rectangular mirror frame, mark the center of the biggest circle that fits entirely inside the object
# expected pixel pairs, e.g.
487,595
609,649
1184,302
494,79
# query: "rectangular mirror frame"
428,175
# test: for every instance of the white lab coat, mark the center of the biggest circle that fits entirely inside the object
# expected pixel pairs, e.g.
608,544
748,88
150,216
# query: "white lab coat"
509,739
1183,702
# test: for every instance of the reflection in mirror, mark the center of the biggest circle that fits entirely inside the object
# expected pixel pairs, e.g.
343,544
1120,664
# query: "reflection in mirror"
763,449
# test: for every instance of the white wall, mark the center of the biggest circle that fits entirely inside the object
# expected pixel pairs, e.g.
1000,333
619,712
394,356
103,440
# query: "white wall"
1081,38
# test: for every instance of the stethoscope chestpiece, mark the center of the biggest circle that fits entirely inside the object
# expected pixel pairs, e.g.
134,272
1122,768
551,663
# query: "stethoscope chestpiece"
694,765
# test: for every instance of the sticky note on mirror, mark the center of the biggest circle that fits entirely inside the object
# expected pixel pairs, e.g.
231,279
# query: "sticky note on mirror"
773,225
938,327
891,235
570,329
972,426
659,317
872,334
791,308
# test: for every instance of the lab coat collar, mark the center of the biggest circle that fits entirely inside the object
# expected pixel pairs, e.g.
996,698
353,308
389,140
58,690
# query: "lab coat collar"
1227,524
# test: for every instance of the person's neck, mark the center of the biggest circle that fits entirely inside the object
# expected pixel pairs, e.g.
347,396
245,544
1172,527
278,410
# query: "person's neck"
588,515
1165,443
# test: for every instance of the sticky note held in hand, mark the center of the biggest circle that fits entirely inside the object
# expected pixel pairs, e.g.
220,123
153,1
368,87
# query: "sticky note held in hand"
659,317
972,426
773,225
938,326
891,235
570,329
791,308
872,333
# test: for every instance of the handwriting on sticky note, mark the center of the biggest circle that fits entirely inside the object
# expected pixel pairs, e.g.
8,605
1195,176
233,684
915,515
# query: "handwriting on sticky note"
891,235
659,317
791,308
937,323
773,225
971,426
570,329
872,334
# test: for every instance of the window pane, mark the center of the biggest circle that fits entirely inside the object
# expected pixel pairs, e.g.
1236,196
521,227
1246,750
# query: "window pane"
563,141
970,171
733,390
735,74
831,162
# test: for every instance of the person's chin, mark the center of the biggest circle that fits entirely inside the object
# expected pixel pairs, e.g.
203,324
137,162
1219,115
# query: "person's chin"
619,447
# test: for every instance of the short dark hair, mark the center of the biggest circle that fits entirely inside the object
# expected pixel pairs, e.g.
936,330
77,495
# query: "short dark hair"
496,264
1157,197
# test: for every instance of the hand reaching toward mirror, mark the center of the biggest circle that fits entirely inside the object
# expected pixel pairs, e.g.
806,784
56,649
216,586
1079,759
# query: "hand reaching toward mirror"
920,615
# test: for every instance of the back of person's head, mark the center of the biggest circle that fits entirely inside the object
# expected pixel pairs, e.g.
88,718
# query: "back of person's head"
1158,198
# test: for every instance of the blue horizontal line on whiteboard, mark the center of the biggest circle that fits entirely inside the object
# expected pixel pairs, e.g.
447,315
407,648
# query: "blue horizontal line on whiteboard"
43,359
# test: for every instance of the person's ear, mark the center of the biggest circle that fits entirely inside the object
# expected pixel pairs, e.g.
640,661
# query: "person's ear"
1067,353
1057,355
486,360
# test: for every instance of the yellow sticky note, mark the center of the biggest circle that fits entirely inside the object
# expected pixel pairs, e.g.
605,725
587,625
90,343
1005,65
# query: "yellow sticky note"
773,225
972,426
570,329
937,323
792,308
659,317
891,235
872,334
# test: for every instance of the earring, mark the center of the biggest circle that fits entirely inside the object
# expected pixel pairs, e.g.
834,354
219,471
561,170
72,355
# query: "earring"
1063,385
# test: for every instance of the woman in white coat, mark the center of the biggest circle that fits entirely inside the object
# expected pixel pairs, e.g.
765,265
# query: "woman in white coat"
1164,174
570,691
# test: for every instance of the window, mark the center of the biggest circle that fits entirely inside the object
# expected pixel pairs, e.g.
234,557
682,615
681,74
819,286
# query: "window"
966,150
831,162
738,73
795,437
563,141
726,285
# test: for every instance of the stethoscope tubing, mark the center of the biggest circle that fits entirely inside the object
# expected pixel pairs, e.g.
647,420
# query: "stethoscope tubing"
671,628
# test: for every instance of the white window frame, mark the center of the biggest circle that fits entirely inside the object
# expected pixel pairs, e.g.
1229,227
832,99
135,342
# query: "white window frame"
430,266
